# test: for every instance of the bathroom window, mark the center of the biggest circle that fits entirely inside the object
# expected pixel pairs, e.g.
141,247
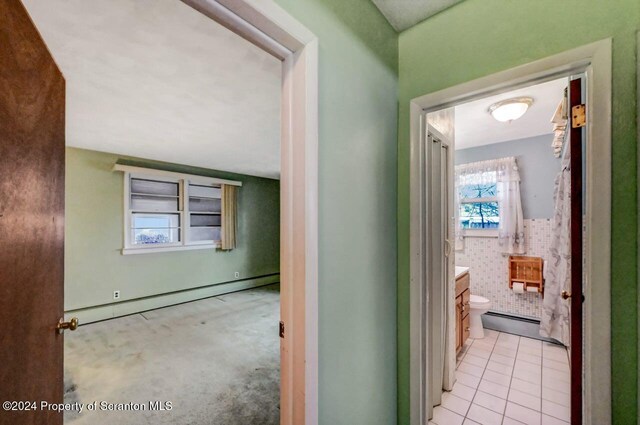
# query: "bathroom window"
488,203
479,207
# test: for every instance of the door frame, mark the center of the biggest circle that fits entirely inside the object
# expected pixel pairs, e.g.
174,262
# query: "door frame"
271,28
595,61
638,127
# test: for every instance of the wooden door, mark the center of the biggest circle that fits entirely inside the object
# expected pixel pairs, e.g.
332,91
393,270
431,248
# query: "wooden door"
32,159
576,300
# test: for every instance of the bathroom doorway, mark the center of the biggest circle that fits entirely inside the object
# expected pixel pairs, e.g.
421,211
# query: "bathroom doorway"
510,233
508,364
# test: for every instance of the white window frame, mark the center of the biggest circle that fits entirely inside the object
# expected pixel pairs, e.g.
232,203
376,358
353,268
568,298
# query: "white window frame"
478,233
183,181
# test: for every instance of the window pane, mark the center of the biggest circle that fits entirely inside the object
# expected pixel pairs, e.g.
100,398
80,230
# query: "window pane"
203,204
153,203
157,221
486,190
153,187
205,233
204,191
199,220
155,228
155,236
479,215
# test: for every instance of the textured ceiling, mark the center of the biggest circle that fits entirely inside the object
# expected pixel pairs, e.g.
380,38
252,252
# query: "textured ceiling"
158,80
403,14
474,125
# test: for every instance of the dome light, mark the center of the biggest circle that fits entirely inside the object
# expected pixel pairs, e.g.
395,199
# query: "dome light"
510,109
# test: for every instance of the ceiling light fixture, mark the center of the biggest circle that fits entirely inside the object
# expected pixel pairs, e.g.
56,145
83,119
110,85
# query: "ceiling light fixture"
510,109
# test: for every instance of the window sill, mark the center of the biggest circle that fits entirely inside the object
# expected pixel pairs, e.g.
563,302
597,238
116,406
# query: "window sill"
477,233
151,250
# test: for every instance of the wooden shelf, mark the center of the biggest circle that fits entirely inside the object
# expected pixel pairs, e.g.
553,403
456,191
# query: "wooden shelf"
527,270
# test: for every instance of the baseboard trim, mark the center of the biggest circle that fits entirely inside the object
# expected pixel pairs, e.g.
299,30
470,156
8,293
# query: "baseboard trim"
517,325
140,305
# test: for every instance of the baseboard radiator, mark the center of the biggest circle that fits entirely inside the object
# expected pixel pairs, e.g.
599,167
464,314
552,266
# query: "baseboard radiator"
517,325
139,305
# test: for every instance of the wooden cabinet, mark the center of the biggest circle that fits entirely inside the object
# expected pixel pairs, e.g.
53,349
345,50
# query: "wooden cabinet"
463,296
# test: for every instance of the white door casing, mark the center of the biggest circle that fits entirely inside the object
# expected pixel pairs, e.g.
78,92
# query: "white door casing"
595,61
271,28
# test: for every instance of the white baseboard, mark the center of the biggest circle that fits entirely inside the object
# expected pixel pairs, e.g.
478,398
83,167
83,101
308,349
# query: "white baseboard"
124,308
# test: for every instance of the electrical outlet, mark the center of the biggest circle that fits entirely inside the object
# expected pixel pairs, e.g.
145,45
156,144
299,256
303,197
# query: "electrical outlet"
237,275
116,295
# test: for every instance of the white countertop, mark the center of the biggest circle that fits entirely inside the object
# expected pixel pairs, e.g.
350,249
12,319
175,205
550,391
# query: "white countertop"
461,270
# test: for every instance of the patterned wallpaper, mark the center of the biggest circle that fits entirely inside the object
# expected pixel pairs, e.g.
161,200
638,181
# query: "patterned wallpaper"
488,269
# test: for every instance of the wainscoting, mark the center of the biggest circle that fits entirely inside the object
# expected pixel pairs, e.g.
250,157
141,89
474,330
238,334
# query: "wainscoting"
488,269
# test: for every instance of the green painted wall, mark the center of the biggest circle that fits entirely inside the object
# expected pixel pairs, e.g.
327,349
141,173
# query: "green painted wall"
95,267
357,216
479,37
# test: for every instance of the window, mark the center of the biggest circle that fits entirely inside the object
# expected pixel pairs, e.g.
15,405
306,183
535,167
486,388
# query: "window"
155,212
171,211
205,215
488,203
479,208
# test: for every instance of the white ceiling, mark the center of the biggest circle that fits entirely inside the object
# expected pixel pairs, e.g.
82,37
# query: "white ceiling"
474,125
403,14
158,80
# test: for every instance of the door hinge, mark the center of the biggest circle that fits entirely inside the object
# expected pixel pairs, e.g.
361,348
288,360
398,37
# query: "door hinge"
578,116
281,329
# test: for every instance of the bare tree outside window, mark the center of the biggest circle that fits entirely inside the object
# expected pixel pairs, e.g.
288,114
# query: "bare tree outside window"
478,207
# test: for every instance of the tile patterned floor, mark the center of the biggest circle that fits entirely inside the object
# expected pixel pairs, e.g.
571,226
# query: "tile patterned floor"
506,379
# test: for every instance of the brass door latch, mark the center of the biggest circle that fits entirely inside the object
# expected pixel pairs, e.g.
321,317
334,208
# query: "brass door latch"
72,325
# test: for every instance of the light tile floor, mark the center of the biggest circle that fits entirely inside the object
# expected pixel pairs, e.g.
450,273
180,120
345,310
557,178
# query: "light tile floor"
506,379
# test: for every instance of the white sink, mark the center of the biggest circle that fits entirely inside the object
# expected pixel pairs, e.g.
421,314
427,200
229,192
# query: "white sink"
461,270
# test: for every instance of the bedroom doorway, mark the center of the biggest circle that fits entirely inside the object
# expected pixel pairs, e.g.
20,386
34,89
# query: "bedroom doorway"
40,340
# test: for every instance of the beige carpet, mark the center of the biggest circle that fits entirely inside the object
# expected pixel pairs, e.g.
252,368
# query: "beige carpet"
216,360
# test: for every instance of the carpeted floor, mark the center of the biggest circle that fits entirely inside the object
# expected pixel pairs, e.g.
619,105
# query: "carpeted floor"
216,360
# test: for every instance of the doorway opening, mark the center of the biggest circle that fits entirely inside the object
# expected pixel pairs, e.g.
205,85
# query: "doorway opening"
502,199
172,240
176,206
512,257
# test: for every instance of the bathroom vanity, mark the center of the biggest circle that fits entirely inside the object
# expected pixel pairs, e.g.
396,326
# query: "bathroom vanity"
463,297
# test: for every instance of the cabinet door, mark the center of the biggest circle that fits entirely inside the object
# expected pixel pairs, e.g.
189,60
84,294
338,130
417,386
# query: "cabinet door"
465,328
466,300
459,313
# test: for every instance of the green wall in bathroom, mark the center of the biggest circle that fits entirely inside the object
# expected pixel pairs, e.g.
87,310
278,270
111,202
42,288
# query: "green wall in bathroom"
95,267
476,38
357,209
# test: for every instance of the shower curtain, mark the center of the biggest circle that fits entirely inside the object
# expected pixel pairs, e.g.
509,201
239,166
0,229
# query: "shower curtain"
555,311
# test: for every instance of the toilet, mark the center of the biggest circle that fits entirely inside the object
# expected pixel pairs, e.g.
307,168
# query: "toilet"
479,306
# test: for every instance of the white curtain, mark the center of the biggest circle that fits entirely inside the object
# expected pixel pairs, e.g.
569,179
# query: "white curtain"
458,231
504,173
511,230
554,322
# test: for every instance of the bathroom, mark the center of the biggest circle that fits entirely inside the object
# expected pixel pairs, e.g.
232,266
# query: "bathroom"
511,267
